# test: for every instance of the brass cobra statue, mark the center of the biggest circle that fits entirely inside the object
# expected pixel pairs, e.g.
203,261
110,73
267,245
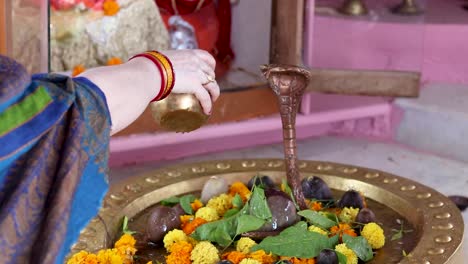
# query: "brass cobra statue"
289,83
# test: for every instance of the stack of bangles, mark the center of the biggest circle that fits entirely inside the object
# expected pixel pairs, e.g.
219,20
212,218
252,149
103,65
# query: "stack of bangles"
165,69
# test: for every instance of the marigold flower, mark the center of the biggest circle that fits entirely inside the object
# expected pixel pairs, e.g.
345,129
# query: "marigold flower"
348,214
114,61
262,257
110,7
295,260
343,229
83,257
351,257
197,204
316,206
207,213
241,189
245,244
78,69
234,256
180,253
204,253
220,203
125,240
109,256
317,229
191,226
174,236
250,261
185,219
374,234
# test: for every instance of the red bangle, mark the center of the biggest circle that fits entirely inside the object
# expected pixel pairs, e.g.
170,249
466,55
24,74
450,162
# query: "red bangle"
171,85
163,79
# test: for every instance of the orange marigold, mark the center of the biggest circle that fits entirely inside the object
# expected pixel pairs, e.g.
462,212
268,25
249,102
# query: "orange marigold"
83,257
262,257
110,7
197,204
342,229
191,226
78,69
302,261
234,256
185,219
241,189
114,61
180,253
316,206
125,240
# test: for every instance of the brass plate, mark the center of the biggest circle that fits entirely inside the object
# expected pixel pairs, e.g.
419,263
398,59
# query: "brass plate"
437,223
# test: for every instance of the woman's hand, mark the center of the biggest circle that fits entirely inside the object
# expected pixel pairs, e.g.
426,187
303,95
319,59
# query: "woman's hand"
195,74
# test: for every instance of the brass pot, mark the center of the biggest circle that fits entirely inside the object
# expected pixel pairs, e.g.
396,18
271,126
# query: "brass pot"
179,113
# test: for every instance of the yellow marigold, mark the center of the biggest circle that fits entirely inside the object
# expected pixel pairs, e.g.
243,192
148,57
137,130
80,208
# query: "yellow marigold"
190,227
241,189
126,254
78,69
180,253
114,61
374,234
348,214
234,256
245,244
343,229
125,240
110,7
173,237
109,256
207,213
351,257
83,257
204,253
262,257
197,204
317,229
220,203
250,261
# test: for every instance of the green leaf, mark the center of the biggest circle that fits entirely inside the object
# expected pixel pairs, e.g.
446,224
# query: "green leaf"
288,191
397,235
221,231
185,202
360,246
125,229
237,201
170,201
317,219
296,241
341,258
230,212
258,205
246,223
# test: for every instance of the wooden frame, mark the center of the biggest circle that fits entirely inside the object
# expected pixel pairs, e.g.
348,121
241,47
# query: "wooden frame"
4,17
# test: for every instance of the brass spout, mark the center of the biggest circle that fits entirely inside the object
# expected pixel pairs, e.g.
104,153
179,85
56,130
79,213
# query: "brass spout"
407,8
289,84
353,8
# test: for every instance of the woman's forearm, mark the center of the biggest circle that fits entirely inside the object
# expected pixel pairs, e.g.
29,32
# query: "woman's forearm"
128,88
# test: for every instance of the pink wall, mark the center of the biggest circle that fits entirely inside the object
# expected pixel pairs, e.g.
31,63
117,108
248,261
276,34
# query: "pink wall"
434,44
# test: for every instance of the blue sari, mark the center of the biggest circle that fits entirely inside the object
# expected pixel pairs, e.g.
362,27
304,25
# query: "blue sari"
54,147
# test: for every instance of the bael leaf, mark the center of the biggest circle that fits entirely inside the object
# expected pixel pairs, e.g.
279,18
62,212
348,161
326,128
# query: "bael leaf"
360,246
170,201
288,191
230,212
246,223
125,229
317,219
258,205
341,258
237,201
296,241
185,202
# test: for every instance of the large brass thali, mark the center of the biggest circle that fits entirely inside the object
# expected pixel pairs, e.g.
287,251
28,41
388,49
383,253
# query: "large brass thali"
436,222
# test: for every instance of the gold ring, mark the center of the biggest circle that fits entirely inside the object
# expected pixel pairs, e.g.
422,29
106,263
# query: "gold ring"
210,79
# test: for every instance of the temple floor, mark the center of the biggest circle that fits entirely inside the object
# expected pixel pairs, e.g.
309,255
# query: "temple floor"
444,175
